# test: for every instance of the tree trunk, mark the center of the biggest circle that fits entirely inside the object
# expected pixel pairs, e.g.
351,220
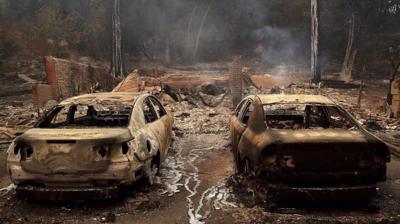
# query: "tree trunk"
315,63
351,51
117,61
393,78
203,20
189,38
167,56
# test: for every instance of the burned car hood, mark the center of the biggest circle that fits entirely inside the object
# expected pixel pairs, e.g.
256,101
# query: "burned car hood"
100,135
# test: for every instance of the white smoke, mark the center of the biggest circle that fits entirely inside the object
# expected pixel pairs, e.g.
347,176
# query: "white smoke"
276,46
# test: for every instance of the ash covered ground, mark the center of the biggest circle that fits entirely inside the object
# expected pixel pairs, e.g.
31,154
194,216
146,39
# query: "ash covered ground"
197,181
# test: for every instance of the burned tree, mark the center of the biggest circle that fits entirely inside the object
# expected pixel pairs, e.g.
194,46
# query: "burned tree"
351,50
315,64
117,61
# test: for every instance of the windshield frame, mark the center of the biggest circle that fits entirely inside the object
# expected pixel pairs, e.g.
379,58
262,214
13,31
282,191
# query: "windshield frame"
344,113
45,121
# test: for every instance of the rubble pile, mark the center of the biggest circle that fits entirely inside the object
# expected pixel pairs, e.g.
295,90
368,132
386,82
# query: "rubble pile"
17,114
200,119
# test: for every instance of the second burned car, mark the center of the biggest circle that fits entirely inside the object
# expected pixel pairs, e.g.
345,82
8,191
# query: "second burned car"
92,143
306,145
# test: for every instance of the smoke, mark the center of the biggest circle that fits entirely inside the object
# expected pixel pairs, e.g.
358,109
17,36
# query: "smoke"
175,31
194,30
275,45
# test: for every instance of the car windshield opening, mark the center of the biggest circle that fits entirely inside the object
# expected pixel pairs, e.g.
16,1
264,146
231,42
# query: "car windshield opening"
87,116
306,116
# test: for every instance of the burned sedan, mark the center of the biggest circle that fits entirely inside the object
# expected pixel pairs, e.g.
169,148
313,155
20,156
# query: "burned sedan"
306,145
92,143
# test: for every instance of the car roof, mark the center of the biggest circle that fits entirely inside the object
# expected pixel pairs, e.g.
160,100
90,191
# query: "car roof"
121,97
295,99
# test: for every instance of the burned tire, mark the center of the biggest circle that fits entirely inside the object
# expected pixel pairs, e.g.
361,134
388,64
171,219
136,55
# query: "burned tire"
272,200
237,167
153,169
245,167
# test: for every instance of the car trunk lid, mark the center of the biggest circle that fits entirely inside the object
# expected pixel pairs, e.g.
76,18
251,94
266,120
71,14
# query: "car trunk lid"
68,151
326,150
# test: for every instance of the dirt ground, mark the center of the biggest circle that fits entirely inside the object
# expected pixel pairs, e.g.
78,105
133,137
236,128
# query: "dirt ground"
197,181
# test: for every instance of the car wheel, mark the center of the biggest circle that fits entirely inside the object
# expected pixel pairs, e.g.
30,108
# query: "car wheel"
272,201
153,170
237,167
246,167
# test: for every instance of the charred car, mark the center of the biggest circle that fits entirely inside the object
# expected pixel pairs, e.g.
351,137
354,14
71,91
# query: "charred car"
92,143
307,147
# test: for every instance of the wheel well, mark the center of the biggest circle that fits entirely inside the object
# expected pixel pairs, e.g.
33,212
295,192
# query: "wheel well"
156,159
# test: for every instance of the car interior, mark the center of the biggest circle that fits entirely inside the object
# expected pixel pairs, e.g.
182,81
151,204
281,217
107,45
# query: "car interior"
87,116
302,116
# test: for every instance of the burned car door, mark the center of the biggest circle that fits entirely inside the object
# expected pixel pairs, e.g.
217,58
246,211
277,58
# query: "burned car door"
145,141
237,125
253,135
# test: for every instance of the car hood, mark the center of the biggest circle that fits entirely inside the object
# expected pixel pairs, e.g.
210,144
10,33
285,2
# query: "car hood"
100,135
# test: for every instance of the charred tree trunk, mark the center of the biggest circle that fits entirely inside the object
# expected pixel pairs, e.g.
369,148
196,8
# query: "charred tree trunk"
189,38
203,20
117,61
167,56
351,50
393,78
315,63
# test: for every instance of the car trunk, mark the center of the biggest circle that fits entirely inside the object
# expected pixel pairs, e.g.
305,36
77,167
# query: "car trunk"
68,151
329,151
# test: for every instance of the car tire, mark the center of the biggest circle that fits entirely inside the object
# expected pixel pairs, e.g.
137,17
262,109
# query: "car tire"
237,168
153,170
246,167
272,202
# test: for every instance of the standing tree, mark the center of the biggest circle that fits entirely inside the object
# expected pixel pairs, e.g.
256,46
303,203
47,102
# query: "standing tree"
351,50
117,61
315,63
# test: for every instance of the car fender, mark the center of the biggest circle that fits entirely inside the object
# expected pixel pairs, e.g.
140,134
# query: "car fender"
146,145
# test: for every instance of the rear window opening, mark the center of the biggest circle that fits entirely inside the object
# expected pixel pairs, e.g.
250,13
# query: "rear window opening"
302,116
87,116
